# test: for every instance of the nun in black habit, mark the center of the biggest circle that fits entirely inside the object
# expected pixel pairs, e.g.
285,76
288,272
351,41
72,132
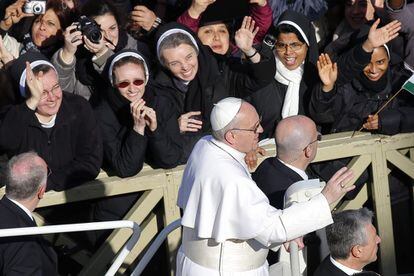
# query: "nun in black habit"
296,53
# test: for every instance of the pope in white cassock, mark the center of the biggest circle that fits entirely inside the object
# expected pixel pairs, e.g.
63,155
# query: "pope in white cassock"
228,224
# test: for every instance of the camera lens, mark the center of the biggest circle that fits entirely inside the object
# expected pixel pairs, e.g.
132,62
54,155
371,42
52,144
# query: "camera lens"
37,8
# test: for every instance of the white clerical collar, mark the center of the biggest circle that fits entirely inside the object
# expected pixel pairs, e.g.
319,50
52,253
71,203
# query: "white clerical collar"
22,207
296,170
237,155
345,269
49,124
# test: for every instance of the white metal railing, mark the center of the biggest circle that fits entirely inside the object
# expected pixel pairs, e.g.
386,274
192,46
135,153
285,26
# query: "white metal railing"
81,227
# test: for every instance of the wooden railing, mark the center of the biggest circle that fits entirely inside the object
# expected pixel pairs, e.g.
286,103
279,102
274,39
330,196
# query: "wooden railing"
367,152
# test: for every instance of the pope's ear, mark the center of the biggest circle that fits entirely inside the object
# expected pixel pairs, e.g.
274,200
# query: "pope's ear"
229,137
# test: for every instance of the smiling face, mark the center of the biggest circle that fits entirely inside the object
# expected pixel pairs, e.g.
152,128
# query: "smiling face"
216,36
378,64
358,12
290,50
181,61
109,29
51,98
132,75
46,29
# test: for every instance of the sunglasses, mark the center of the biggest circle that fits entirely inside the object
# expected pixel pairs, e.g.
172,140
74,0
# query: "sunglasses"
124,84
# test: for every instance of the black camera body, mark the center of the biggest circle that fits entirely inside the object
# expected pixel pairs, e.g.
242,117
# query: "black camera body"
89,28
269,40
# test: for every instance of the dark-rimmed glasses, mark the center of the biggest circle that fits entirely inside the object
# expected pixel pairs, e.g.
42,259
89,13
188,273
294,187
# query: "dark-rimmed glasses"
254,129
52,91
318,138
124,84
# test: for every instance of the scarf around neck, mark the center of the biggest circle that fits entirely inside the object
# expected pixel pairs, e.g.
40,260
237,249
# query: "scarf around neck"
292,79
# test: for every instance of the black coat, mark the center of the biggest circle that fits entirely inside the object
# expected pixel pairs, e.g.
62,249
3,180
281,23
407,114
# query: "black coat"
72,148
327,268
215,80
125,150
274,178
24,255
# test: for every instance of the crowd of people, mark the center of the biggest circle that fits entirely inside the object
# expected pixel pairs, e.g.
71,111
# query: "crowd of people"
114,84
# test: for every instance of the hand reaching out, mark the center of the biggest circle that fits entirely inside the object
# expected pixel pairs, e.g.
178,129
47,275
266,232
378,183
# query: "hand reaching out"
14,14
190,122
5,55
251,157
35,85
73,39
337,186
328,72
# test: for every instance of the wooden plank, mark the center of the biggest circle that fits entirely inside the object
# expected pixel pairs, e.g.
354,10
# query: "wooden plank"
382,204
357,202
401,162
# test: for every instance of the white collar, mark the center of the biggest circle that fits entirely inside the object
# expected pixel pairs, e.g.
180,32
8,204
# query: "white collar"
296,170
22,207
237,155
347,270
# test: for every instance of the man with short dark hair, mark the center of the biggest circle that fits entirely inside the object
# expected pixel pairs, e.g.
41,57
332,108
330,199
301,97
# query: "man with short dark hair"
353,242
25,178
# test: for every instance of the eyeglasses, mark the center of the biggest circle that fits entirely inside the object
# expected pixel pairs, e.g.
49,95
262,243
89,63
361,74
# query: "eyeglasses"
52,91
49,171
295,46
124,84
254,130
318,138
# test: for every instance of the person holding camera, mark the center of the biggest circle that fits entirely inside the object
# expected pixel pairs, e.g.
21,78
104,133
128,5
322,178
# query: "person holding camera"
101,35
45,35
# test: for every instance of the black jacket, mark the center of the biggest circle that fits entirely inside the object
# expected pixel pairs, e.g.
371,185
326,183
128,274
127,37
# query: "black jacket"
72,148
24,255
215,80
327,268
274,178
125,150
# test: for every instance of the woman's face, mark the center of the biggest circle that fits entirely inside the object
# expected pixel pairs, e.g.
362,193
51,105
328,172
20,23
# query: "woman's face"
216,36
46,29
378,64
290,50
109,29
181,61
51,98
130,81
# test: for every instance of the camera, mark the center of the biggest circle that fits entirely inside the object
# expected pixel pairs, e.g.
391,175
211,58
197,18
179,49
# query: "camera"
89,28
35,7
269,40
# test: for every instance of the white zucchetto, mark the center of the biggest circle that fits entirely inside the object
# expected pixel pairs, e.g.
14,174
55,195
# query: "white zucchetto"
224,112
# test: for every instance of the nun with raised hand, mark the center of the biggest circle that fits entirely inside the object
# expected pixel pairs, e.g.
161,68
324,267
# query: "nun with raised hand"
378,74
196,79
137,122
296,52
59,126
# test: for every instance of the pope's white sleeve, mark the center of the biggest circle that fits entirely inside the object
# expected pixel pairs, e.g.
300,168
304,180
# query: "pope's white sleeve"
296,221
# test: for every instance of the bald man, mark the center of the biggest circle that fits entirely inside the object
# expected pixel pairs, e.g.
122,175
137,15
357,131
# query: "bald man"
25,179
228,223
296,144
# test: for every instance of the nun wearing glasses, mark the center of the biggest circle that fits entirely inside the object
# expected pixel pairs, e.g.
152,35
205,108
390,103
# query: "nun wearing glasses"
296,52
135,120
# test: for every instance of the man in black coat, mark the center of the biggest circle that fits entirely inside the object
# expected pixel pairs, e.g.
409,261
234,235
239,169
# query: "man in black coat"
25,178
353,242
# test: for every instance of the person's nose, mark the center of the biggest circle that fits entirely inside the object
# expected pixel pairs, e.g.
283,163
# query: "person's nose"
373,68
259,129
378,239
215,36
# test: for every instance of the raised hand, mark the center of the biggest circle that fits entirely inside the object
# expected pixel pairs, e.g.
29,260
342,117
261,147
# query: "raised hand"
245,35
35,85
378,37
338,186
252,157
73,39
14,14
328,72
190,122
198,7
143,17
371,123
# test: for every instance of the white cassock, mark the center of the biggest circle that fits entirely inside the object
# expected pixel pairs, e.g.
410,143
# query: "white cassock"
228,223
